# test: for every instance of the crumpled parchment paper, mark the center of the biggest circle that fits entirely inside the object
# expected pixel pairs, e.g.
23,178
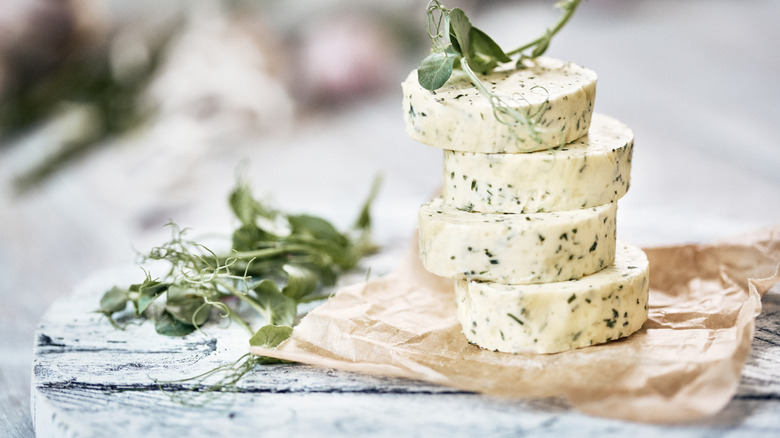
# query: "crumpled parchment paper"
684,364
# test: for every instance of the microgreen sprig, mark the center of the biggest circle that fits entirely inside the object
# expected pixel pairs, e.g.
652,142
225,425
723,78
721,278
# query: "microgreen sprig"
453,37
207,387
541,43
456,43
277,261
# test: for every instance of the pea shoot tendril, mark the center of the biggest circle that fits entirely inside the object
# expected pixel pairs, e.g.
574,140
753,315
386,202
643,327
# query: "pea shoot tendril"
456,44
277,261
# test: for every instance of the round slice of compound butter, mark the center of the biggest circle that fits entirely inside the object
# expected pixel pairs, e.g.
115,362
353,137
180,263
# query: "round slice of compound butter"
554,317
516,248
590,171
558,96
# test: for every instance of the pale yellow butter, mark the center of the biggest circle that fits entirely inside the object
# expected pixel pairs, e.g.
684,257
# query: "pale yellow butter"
554,317
516,248
559,96
590,171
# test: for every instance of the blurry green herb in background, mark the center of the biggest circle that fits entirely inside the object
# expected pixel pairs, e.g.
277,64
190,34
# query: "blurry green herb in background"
86,79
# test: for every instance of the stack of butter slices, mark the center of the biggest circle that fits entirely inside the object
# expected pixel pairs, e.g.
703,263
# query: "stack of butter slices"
526,221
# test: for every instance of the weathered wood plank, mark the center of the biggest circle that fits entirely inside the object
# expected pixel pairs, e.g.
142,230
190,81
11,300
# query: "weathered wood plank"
761,376
12,401
91,380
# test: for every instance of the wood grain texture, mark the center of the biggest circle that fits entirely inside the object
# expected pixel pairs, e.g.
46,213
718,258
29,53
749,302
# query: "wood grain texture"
91,380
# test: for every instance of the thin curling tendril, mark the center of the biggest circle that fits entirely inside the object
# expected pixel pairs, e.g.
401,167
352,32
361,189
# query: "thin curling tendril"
447,42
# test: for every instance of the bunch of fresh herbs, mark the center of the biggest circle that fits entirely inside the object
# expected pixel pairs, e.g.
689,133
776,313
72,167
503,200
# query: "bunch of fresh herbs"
277,261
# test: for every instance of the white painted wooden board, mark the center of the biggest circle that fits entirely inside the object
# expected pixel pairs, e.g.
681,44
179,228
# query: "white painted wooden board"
90,380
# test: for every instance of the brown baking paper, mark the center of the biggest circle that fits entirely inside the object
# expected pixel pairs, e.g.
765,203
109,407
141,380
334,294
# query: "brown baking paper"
685,363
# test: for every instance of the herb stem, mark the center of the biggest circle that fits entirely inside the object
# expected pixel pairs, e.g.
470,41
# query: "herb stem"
259,309
526,46
274,251
241,321
245,298
568,8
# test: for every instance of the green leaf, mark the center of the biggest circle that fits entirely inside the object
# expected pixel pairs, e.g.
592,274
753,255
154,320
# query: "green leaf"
248,237
149,291
279,309
460,31
187,306
270,336
301,281
329,252
271,268
168,326
153,288
436,68
520,64
114,300
363,221
265,360
481,43
243,204
480,51
542,46
246,208
316,227
482,64
325,269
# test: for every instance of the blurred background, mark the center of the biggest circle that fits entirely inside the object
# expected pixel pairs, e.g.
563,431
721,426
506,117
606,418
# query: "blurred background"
119,116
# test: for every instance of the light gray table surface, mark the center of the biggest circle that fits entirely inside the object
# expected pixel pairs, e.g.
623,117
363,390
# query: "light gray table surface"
696,81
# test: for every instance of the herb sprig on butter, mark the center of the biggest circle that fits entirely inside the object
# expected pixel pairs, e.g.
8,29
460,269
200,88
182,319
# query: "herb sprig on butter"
457,44
277,261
